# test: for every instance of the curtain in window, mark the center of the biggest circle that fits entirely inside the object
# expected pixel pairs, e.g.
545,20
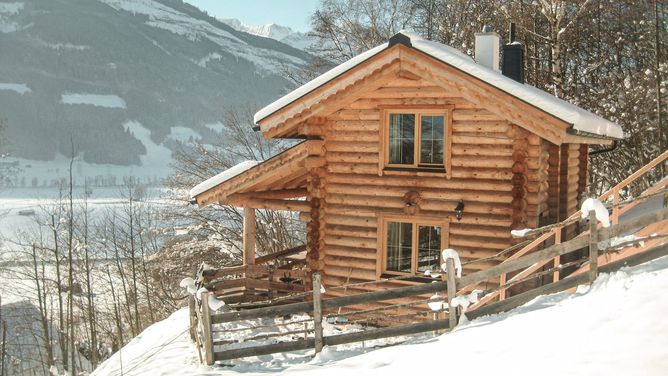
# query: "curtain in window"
402,138
431,144
429,247
399,246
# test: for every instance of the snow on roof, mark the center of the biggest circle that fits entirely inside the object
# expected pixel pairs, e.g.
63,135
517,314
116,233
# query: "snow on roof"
581,119
222,177
317,82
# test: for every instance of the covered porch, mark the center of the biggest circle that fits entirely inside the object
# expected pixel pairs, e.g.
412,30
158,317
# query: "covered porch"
282,183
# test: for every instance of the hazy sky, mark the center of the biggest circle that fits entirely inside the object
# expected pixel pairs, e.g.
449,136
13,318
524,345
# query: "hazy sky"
292,13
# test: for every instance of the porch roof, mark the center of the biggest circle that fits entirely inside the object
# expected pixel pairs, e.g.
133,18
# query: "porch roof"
262,184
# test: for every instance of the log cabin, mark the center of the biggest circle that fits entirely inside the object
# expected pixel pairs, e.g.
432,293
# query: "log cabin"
410,148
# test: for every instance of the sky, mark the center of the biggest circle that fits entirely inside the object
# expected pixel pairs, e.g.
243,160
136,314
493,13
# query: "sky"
292,13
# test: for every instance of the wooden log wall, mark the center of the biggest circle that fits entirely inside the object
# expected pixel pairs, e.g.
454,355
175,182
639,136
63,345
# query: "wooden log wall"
507,177
554,185
315,227
483,150
569,184
520,178
583,176
538,186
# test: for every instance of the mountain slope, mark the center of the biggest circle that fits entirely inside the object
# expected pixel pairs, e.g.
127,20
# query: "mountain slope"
76,71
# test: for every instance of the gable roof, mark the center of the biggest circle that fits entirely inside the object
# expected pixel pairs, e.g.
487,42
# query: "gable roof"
580,120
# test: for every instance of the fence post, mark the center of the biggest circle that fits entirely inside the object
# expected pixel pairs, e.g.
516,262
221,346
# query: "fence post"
615,206
191,310
206,328
557,260
317,312
593,246
452,291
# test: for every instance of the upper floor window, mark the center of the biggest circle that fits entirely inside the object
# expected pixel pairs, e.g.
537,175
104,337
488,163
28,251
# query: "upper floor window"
416,139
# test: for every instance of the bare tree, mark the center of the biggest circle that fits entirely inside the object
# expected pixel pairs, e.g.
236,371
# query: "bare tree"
346,28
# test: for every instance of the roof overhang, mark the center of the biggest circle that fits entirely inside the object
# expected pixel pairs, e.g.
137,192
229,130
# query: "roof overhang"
276,183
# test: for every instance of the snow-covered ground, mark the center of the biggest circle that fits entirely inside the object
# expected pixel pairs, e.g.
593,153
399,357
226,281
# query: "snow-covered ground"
50,173
615,327
99,100
19,88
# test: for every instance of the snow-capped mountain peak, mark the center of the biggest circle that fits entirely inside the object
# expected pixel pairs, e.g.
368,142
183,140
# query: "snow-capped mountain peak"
280,33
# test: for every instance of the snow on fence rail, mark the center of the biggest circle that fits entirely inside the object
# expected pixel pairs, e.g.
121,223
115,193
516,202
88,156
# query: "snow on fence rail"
554,235
202,319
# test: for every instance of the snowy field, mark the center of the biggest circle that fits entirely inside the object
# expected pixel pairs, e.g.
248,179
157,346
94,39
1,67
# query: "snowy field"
615,327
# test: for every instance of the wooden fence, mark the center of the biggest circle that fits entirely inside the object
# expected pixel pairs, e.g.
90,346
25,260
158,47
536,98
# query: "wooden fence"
246,285
203,321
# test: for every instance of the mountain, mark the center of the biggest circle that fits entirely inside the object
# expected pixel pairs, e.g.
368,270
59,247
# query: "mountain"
280,33
93,73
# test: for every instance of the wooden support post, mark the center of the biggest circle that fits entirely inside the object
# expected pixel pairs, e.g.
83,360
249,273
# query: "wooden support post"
452,291
4,346
249,236
206,328
665,195
557,260
593,246
502,290
317,312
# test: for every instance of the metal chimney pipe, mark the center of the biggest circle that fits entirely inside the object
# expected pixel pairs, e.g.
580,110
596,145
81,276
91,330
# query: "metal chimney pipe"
513,57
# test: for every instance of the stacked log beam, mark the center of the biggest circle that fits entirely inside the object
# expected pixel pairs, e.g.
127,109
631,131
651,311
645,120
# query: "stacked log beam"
520,178
554,185
481,172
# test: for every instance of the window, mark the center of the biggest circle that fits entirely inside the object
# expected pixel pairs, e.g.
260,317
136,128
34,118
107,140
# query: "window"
412,246
415,139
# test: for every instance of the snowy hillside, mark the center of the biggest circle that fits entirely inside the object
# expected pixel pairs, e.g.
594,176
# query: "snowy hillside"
280,33
78,70
616,327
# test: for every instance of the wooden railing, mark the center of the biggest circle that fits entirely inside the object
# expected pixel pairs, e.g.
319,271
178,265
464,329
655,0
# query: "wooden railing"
206,323
251,284
554,235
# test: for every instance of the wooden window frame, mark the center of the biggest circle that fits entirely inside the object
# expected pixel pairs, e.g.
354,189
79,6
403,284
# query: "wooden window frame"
418,111
383,220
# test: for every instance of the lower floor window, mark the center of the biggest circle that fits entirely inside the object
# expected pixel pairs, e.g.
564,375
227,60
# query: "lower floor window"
412,247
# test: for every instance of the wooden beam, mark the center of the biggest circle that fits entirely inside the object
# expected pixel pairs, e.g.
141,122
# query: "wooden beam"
274,204
284,165
249,236
317,313
279,254
276,194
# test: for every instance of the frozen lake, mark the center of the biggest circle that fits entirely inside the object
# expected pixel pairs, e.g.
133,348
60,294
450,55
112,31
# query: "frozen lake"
21,207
